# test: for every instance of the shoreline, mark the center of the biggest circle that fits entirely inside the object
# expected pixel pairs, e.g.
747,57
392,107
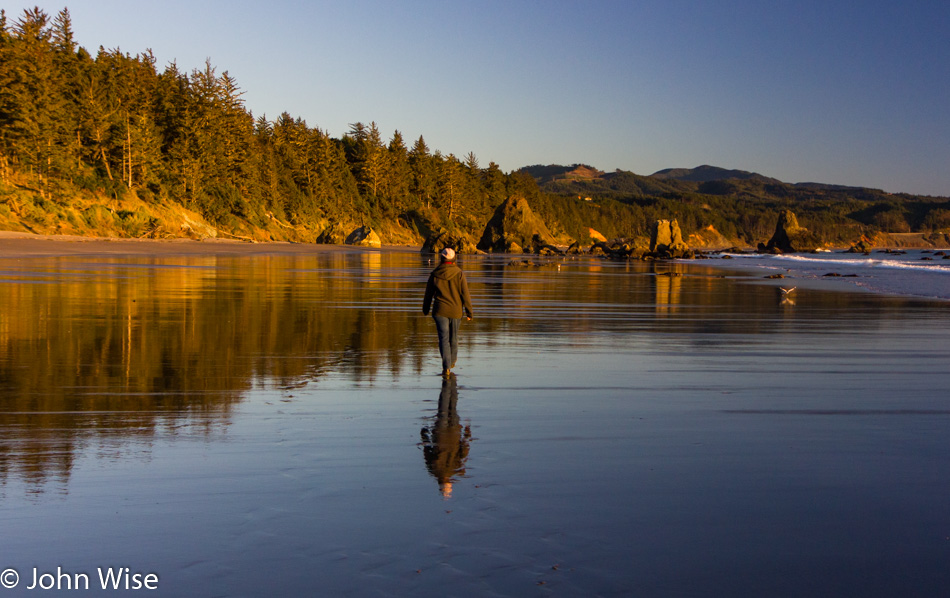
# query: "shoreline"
18,245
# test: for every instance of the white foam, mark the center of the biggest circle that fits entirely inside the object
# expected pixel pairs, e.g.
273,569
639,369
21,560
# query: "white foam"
868,263
901,274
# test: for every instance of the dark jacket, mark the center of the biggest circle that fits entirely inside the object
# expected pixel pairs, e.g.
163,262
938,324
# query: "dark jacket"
447,292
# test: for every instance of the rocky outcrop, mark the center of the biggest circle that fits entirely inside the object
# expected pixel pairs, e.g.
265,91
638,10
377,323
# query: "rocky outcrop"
515,228
864,245
334,234
364,236
790,237
587,242
438,241
666,240
623,249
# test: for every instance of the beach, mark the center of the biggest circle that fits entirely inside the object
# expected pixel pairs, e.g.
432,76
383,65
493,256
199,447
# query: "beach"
268,419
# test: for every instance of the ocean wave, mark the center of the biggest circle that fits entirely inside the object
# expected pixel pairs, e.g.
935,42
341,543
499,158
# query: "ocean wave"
867,263
804,261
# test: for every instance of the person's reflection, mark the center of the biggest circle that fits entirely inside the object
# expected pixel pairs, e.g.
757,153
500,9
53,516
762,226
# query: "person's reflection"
445,442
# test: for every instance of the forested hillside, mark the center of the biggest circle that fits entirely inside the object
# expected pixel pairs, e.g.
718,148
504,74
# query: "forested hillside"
110,143
89,142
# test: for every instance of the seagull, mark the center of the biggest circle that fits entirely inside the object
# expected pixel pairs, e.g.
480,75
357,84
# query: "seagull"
786,296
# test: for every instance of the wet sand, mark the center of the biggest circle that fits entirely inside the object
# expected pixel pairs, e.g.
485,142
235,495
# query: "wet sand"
20,245
274,423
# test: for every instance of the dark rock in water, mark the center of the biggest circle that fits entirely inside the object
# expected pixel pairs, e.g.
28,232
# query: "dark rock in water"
790,237
514,227
522,264
335,234
835,274
862,246
666,240
775,276
939,253
727,257
622,249
438,241
926,258
364,236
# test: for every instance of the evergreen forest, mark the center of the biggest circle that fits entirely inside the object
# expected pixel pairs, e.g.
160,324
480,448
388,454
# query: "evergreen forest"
112,144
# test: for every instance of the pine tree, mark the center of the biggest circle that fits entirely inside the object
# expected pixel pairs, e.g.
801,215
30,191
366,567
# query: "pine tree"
450,185
422,172
7,106
398,179
98,104
493,180
39,130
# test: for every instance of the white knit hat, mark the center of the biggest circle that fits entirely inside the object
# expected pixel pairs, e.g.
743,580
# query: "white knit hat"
448,254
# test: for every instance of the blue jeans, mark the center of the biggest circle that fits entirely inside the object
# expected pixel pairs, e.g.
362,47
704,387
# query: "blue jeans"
448,339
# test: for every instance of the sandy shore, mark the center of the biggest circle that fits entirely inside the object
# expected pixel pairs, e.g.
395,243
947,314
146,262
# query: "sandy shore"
24,245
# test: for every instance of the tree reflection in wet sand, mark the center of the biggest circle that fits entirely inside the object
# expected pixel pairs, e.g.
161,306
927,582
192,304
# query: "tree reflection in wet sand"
106,348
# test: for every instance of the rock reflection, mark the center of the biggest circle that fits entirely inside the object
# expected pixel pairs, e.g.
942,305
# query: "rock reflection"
445,442
668,281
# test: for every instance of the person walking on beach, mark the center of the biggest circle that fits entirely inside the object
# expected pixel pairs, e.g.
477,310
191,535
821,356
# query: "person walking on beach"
447,298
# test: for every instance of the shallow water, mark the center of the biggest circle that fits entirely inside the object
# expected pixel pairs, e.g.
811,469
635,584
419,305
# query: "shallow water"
267,425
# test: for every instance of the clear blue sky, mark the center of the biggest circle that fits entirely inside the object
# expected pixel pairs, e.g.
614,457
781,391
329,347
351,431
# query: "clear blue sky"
854,93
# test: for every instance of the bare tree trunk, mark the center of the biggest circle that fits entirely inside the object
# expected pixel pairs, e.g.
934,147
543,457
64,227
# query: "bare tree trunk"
102,152
128,139
49,163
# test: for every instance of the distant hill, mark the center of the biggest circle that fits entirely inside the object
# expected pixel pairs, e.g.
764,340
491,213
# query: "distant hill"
584,180
706,173
556,172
